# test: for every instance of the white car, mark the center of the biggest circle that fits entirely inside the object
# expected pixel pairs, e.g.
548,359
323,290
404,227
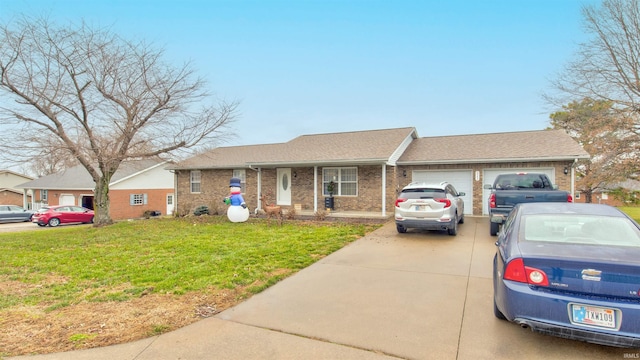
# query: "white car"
429,207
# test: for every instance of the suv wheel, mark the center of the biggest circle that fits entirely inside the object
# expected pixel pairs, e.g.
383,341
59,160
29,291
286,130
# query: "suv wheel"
453,230
401,229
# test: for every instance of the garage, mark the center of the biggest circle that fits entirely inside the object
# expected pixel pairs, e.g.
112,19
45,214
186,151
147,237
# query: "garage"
491,174
66,199
460,179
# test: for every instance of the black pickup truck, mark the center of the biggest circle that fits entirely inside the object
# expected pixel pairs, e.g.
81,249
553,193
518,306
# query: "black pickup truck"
514,188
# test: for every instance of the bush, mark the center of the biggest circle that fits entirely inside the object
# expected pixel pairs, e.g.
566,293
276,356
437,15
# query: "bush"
201,210
320,215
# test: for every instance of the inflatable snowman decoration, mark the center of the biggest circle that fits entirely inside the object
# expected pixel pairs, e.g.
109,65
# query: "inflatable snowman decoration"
238,211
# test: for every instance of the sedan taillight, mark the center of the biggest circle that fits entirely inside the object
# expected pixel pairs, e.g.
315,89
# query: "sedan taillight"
569,198
516,271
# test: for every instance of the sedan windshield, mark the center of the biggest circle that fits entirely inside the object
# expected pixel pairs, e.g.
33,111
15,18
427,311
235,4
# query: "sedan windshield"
580,229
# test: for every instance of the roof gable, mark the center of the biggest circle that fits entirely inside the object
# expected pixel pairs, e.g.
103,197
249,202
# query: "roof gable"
78,178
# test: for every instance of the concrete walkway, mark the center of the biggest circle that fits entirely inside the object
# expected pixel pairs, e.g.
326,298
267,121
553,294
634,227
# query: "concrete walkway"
419,295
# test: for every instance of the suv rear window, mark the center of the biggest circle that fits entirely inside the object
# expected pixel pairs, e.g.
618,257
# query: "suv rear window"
422,194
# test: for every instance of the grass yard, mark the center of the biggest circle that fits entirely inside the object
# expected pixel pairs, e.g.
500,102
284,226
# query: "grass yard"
77,287
633,211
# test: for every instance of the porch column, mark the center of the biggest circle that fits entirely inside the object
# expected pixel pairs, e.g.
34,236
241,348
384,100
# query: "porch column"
384,189
315,189
259,185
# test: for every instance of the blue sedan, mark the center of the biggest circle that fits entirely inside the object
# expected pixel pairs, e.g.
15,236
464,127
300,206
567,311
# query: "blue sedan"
570,270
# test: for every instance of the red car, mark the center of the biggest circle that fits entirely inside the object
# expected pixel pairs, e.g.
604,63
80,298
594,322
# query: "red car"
62,214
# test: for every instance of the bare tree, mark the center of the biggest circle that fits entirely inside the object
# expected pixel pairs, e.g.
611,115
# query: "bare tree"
101,98
607,68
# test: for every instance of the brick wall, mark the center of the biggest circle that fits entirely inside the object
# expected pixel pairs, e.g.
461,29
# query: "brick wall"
120,207
214,187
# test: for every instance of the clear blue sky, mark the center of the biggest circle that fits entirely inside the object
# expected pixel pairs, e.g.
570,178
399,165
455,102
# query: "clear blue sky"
304,67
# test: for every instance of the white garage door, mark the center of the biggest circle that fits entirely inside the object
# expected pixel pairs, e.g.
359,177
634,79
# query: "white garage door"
460,179
491,174
67,200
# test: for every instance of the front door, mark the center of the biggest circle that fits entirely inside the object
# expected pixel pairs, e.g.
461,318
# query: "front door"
284,187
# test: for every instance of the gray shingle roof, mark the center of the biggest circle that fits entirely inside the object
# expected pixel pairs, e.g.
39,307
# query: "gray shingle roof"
496,147
374,146
77,177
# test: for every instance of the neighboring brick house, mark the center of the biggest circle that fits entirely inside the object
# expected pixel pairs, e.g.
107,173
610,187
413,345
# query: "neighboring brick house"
137,186
370,168
631,188
9,194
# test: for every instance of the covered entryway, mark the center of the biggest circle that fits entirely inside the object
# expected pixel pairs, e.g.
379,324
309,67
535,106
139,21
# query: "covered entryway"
491,174
460,179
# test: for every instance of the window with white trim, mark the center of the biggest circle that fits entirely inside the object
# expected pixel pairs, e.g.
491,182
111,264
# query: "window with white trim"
577,194
137,199
195,181
44,195
242,175
345,181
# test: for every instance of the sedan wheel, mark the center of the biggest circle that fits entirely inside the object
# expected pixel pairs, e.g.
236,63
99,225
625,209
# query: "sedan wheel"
497,311
53,222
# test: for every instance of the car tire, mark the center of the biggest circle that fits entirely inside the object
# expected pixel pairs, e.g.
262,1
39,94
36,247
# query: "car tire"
493,228
453,230
497,311
461,221
41,224
53,222
90,221
401,229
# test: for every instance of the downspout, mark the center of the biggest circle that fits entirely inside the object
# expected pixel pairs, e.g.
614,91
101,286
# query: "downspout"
175,192
384,190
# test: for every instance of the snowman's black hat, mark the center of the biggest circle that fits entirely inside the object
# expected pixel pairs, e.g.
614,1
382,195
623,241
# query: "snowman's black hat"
235,182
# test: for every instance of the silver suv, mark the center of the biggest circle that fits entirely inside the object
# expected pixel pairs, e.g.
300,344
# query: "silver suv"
429,207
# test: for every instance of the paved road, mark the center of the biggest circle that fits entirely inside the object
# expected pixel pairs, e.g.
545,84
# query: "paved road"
419,295
21,226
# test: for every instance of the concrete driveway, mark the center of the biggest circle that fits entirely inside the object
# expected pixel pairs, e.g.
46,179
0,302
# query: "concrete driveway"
419,295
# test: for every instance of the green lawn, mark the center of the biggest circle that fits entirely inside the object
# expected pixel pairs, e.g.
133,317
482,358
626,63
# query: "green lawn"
633,211
172,255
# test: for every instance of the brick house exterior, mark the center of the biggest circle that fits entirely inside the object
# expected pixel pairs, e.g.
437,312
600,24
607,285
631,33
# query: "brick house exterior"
370,168
9,193
137,186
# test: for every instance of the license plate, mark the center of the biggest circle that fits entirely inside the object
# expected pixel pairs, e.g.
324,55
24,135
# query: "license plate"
420,208
593,316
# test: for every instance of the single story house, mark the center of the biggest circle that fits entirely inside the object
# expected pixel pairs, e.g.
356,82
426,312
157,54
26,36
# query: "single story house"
137,186
369,168
9,193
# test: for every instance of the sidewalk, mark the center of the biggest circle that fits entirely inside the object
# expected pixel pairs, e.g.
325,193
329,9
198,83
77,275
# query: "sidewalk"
419,295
